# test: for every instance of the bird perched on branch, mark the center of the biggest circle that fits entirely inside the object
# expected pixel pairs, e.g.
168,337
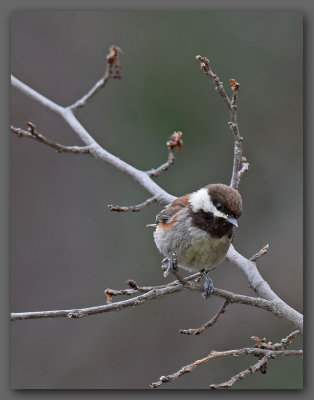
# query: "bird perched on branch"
195,230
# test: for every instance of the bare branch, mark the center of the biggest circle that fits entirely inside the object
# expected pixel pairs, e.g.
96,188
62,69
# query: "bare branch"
241,375
138,207
150,293
174,142
33,134
218,354
218,85
208,324
134,289
163,167
95,149
263,290
267,298
233,124
285,342
112,61
263,251
84,312
261,364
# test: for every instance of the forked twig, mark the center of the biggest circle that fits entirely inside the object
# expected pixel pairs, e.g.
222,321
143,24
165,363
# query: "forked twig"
233,124
198,331
218,354
113,63
174,142
241,375
31,133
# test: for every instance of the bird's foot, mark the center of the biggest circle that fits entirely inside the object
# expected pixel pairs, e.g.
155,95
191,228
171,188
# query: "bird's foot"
169,264
208,285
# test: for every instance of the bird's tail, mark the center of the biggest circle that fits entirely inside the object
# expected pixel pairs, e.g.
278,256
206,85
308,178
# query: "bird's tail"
151,226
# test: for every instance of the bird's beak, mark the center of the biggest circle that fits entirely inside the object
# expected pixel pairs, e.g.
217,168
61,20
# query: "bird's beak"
232,221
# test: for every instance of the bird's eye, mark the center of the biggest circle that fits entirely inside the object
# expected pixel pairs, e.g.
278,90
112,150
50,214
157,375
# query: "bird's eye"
219,206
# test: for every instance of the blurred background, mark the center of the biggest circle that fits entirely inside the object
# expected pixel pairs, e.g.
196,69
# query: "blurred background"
67,247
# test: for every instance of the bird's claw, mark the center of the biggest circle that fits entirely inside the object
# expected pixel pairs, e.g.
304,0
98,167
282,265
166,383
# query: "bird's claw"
171,265
208,285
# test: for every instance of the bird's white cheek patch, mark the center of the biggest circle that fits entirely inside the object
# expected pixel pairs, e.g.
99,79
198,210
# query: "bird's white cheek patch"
201,200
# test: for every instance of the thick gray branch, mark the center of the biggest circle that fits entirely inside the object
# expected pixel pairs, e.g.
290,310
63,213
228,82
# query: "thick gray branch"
263,290
67,114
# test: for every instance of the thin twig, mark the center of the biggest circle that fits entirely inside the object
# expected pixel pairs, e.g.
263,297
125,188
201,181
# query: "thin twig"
241,375
198,331
218,85
163,167
138,207
112,61
84,312
134,289
218,354
262,252
245,167
261,364
233,124
285,342
174,142
33,134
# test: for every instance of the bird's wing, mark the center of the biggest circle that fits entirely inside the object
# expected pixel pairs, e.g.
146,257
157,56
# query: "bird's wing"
172,209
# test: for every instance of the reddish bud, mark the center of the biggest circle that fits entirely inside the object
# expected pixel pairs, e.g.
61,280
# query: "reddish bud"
234,85
175,141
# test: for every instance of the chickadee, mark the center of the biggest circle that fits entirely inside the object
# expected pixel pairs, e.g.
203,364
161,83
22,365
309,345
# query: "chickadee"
197,229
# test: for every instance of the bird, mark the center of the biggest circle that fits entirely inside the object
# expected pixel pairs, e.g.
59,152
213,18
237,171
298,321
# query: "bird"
196,230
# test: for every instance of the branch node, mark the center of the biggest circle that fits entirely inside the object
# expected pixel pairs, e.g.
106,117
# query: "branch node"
262,252
132,284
